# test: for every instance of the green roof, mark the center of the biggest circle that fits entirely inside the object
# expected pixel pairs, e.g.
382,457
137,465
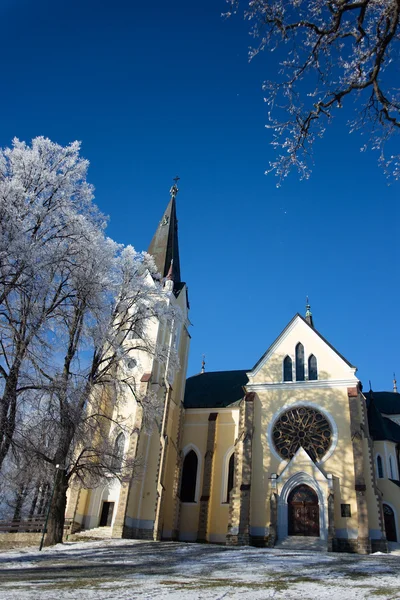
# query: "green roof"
217,389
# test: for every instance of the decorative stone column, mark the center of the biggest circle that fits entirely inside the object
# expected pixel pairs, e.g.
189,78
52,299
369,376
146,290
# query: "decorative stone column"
331,521
273,525
377,545
239,512
177,476
162,462
207,478
363,541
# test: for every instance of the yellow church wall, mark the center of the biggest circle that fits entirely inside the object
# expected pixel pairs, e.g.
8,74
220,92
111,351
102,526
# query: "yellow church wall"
81,506
390,494
149,493
178,390
194,437
269,405
226,434
136,492
389,491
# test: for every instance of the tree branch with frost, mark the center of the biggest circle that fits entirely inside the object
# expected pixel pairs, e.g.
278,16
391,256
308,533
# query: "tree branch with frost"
333,50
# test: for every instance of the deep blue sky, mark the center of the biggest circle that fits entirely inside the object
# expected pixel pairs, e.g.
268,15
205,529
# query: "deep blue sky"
155,89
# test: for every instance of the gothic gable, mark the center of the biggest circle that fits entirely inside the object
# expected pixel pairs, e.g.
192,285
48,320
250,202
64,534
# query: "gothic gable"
301,354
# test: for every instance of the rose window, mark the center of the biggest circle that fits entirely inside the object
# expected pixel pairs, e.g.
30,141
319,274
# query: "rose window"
305,427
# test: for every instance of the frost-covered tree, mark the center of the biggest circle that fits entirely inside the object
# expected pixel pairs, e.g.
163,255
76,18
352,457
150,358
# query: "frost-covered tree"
69,299
329,52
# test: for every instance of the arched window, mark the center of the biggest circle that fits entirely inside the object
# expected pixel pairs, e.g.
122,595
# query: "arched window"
287,369
390,523
118,454
391,468
189,477
299,362
231,476
312,368
380,467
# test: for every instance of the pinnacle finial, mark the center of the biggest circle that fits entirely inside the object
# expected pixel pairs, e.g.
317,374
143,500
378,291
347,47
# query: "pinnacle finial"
174,189
309,318
203,364
394,383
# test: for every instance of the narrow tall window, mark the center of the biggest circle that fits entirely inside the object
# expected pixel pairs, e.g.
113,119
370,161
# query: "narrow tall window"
118,454
380,467
312,368
287,369
299,362
189,477
391,468
231,475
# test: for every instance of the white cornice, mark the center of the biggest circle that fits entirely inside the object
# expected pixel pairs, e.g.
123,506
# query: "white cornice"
301,385
193,411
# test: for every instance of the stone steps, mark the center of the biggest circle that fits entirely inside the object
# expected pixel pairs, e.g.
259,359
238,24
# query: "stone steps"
294,542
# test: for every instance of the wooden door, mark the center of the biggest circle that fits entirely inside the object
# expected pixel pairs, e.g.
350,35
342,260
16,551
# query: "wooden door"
106,514
390,523
303,512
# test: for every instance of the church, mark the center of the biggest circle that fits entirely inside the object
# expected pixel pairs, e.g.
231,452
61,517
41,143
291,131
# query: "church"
290,450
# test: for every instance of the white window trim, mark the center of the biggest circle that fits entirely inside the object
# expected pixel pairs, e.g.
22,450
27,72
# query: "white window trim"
225,474
377,466
283,368
396,522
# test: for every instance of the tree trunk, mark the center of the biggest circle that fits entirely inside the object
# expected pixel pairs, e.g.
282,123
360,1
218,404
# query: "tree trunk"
20,499
34,500
8,409
55,526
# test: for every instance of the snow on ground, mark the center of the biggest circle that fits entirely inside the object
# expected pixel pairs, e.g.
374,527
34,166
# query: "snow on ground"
130,569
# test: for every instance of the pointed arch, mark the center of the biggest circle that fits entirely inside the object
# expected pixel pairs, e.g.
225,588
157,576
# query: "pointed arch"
299,362
312,368
231,476
294,481
379,464
390,520
190,483
287,369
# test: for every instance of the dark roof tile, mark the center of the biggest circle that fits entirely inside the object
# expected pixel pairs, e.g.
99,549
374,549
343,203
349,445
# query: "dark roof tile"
215,389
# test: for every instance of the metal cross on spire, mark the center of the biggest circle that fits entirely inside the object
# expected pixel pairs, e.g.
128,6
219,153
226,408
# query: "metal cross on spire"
174,190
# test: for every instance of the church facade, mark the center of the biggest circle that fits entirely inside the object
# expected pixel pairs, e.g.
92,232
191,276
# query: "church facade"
289,449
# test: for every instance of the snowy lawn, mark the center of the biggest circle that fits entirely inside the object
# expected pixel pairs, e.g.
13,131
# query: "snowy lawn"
125,569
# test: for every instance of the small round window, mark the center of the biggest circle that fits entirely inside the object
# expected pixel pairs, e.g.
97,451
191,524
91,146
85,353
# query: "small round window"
131,364
302,427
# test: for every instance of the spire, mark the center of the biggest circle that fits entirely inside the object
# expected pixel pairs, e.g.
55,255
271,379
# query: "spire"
203,364
394,383
309,318
164,246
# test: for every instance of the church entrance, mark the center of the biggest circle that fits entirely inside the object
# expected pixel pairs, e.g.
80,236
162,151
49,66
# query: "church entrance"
303,512
106,514
390,523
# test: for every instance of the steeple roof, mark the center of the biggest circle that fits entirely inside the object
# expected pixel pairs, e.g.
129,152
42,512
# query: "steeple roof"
164,245
309,318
